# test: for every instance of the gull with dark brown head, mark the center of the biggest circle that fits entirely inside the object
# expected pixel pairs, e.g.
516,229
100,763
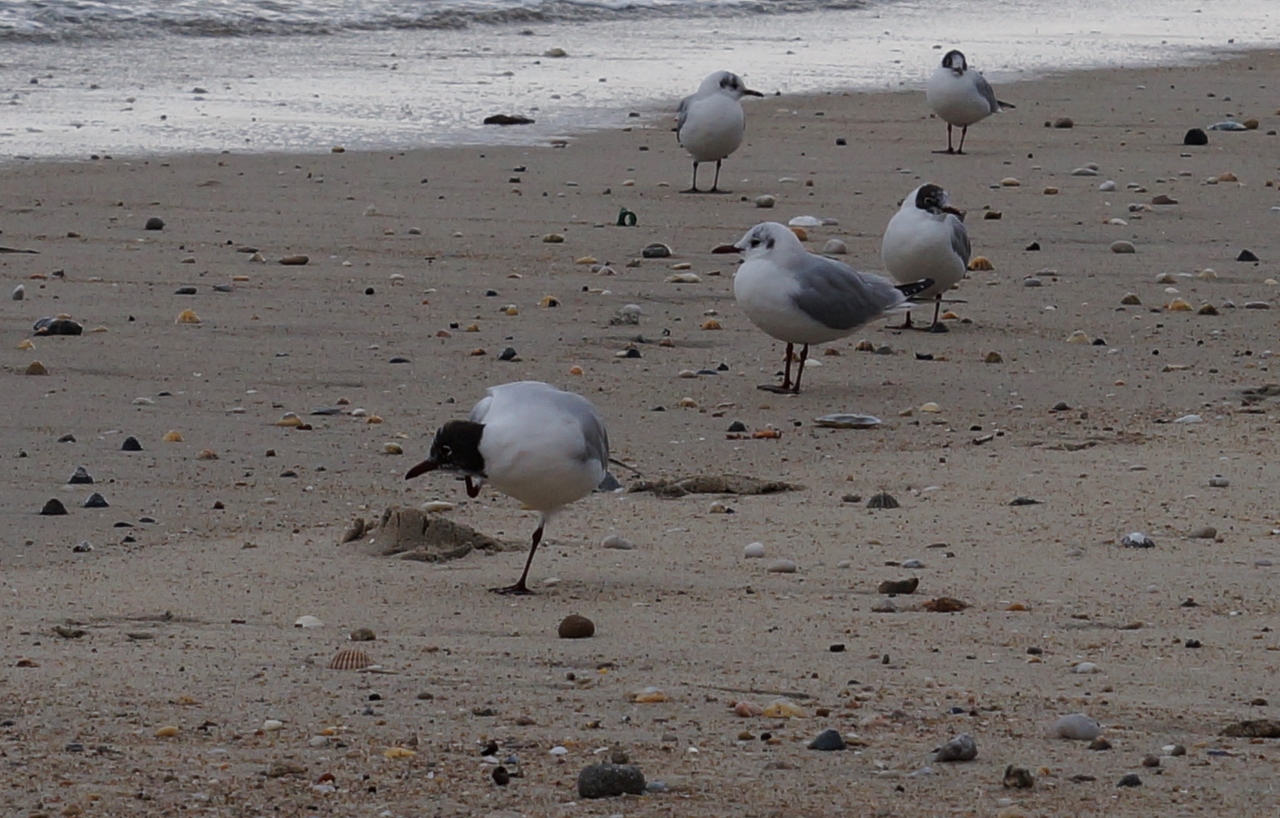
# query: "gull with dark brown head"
927,238
960,96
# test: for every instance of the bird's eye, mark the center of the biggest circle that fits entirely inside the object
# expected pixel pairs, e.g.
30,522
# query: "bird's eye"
446,452
755,242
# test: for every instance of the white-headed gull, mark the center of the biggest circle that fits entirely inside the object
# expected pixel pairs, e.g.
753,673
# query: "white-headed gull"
711,122
960,96
802,298
544,447
927,238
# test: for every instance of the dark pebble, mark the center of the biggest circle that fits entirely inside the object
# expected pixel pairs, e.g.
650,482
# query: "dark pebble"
1130,780
899,586
1193,643
80,477
1064,122
1061,406
1018,778
490,293
67,439
96,500
841,141
722,367
368,291
656,250
829,739
610,780
131,444
507,354
1195,136
185,291
882,500
146,519
154,223
1024,501
1100,744
399,359
57,326
575,626
1246,255
500,776
53,508
507,119
74,747
632,353
1033,247
737,426
838,647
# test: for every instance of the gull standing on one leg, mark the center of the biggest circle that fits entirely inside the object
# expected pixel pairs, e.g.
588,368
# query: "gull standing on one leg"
961,96
544,447
927,238
711,122
802,298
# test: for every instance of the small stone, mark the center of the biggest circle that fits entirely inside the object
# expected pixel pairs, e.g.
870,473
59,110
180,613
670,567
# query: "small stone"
617,543
1137,539
960,748
1099,745
53,508
1009,181
1077,727
1131,300
96,500
993,358
362,635
1204,532
1078,337
1207,309
1130,780
295,260
1123,247
172,436
1084,172
1151,761
827,740
19,293
1163,199
753,551
80,477
1195,136
898,586
1018,778
1219,482
553,238
834,247
167,731
782,566
36,368
575,626
154,223
1107,186
1051,191
765,201
501,776
981,264
656,250
945,604
508,354
1246,255
1064,122
130,444
187,317
882,500
610,780
993,215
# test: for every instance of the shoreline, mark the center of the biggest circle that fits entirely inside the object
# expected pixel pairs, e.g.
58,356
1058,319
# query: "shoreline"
190,626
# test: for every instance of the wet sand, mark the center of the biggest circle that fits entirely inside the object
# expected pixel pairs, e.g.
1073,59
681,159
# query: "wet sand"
191,625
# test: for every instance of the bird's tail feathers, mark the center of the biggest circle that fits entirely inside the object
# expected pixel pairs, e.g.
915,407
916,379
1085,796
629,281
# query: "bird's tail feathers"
914,288
1004,104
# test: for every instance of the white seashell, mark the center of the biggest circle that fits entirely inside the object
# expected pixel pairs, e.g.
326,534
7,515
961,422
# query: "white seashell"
272,725
1077,727
805,221
307,621
753,551
436,506
1085,667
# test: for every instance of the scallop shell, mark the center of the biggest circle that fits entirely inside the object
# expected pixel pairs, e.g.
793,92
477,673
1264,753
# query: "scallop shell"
1178,305
981,263
37,368
350,659
187,317
172,436
711,323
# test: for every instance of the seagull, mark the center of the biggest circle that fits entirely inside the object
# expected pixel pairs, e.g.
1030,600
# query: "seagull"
802,298
960,96
544,447
927,238
711,122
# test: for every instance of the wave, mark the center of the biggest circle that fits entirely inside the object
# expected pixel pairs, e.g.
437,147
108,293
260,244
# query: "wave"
72,20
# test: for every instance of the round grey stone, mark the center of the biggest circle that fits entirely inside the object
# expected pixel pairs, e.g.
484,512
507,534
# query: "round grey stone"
610,780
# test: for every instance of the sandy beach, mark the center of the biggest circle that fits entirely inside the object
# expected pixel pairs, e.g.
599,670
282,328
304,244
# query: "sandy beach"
161,673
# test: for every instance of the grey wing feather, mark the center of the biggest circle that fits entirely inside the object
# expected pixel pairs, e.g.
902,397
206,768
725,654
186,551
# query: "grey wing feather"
988,93
840,297
682,114
594,436
960,239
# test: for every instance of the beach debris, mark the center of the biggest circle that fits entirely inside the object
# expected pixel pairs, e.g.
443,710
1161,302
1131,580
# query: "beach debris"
898,586
753,551
1219,482
130,444
172,436
53,508
1137,539
782,566
960,748
154,223
841,420
650,695
616,542
712,484
362,635
945,604
828,740
656,250
1228,125
187,317
61,325
507,119
784,709
308,621
610,781
96,500
1017,778
1129,780
1123,247
882,499
1253,728
350,659
981,264
1077,727
576,626
19,292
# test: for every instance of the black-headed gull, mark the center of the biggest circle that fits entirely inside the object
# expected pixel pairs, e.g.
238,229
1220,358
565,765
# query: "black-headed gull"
802,298
711,122
960,96
927,238
544,447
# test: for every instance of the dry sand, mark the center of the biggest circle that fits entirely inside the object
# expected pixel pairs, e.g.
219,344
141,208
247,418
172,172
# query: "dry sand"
191,625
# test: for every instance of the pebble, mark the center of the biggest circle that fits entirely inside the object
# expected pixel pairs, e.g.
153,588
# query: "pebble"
1032,281
1131,300
1077,727
36,368
1078,337
885,606
96,500
1130,780
1123,246
19,292
753,551
846,421
83,547
784,709
782,566
656,250
930,408
1195,136
993,358
308,621
1247,255
1189,419
616,542
57,326
1018,778
684,278
362,635
1107,186
130,444
295,261
1009,181
553,238
154,223
1085,668
960,748
1064,122
1084,172
1219,482
53,508
575,626
829,739
834,247
765,201
1163,199
1137,539
80,477
610,781
1204,532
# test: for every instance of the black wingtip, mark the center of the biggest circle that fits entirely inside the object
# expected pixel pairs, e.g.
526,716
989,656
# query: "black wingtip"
1004,104
915,287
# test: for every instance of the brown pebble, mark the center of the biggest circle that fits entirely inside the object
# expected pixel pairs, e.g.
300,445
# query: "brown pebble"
295,261
899,586
1150,761
37,368
363,635
945,604
575,626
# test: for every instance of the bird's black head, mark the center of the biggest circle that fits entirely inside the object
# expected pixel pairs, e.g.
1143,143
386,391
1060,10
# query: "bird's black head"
456,448
955,61
931,198
732,83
